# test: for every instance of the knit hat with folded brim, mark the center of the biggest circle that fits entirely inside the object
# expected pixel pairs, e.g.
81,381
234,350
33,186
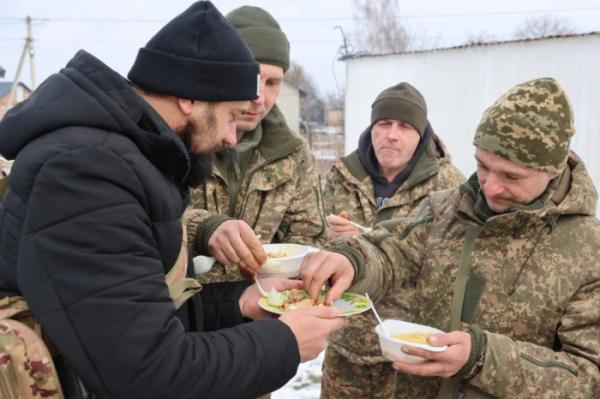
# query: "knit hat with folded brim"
531,124
198,55
401,102
262,34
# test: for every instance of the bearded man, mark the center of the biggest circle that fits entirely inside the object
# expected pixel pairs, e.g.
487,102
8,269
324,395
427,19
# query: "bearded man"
90,226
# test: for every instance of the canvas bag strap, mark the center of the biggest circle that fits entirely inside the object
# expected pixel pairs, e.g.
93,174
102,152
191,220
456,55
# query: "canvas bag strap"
4,181
450,386
181,288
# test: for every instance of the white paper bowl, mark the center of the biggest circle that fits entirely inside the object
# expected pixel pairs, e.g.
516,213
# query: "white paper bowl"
288,266
203,264
391,348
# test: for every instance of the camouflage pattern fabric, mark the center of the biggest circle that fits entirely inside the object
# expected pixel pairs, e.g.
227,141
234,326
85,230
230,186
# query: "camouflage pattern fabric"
278,198
539,291
343,379
26,367
531,124
354,365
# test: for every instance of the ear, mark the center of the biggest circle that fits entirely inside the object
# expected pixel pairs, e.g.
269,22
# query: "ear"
185,105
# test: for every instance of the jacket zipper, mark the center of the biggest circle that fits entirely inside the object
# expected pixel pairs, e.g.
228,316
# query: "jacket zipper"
550,364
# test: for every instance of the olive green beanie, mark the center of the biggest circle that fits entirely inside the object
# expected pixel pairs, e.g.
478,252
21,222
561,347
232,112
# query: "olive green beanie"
531,124
402,102
262,34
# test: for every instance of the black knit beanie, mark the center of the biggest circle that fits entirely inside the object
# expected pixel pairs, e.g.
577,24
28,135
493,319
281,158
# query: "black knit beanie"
402,102
262,34
198,55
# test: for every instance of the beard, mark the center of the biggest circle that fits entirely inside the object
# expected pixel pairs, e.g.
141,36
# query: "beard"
200,163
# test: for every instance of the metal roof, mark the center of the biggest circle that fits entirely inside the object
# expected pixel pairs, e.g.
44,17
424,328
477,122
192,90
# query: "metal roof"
468,45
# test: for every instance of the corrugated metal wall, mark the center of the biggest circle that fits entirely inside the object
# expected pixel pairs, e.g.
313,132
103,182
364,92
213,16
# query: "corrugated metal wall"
459,84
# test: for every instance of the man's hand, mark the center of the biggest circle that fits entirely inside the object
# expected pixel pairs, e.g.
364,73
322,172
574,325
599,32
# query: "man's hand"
320,268
439,364
340,226
249,300
311,327
234,242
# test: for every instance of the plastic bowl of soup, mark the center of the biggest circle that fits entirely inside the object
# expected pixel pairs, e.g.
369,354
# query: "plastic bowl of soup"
284,260
404,333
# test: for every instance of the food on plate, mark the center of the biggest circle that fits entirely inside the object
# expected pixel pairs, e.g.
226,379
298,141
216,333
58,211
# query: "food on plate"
413,337
275,298
349,303
291,299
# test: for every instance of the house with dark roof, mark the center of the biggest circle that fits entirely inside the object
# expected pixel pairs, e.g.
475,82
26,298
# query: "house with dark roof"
21,93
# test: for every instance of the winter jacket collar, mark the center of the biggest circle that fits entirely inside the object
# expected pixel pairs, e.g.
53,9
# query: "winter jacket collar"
368,159
428,165
573,193
277,142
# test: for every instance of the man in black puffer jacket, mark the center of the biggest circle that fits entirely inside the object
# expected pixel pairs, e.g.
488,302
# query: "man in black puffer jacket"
91,222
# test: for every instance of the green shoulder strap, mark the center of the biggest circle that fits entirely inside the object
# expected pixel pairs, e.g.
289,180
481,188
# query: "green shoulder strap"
449,388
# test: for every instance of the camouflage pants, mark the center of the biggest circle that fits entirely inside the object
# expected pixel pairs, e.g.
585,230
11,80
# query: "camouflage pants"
220,274
344,379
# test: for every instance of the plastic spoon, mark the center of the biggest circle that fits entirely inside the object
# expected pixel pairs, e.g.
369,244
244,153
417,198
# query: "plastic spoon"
260,288
385,331
360,227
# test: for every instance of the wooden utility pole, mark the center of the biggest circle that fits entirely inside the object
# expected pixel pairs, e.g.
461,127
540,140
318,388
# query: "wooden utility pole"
27,48
31,53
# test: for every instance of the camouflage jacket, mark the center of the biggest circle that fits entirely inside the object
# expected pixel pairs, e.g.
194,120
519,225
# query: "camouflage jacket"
349,188
534,286
278,196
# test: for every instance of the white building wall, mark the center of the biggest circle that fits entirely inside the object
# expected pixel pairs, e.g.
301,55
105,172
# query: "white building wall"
459,84
289,103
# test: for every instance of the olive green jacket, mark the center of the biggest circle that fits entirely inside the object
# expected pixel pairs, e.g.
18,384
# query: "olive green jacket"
349,188
532,285
278,196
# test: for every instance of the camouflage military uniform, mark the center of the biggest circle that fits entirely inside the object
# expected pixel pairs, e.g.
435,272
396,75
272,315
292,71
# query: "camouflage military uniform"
278,196
530,275
537,274
353,363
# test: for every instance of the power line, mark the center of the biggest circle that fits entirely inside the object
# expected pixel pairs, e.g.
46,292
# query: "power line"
312,19
111,20
124,40
449,15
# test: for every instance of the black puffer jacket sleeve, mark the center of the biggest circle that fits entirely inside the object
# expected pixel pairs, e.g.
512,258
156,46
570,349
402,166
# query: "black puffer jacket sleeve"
90,265
220,307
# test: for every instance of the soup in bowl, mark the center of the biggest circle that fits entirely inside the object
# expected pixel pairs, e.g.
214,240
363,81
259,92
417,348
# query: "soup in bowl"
404,333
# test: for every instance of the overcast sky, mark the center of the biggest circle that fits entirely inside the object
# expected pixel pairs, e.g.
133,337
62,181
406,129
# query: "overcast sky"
113,30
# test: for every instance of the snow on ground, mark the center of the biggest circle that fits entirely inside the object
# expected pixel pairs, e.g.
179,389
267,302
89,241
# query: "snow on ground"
306,384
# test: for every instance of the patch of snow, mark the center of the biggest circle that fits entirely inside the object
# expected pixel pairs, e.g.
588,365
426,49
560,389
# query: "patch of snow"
306,384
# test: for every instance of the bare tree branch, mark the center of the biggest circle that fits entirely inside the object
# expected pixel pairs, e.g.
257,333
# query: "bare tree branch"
379,28
480,38
311,105
297,76
335,100
544,26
